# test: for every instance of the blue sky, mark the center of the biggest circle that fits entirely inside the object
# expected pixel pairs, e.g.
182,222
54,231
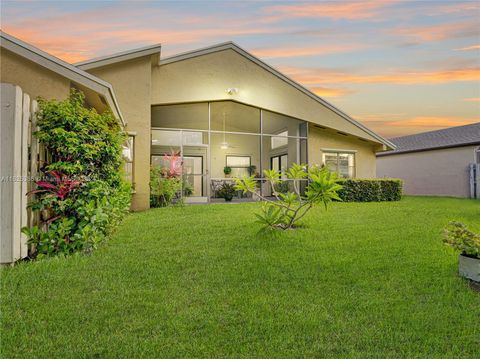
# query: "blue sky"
400,67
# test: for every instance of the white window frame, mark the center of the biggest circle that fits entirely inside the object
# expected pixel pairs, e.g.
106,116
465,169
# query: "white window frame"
338,153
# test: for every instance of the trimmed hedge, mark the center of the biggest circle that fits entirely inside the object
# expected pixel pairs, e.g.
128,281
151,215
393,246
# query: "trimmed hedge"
371,190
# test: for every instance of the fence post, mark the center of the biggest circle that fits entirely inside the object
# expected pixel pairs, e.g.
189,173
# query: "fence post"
471,171
477,180
10,173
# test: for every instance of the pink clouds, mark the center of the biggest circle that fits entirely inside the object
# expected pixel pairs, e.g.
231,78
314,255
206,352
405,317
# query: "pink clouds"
394,125
403,77
313,50
469,48
335,10
437,32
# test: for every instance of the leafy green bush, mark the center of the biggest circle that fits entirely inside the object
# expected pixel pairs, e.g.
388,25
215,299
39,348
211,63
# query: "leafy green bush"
83,197
458,236
290,207
163,189
370,190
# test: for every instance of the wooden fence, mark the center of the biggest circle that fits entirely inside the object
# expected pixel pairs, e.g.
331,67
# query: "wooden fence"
20,160
474,180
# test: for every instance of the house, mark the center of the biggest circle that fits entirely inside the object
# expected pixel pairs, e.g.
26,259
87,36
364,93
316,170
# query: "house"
221,106
435,163
218,106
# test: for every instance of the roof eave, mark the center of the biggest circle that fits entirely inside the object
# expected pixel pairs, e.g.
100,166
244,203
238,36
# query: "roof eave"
64,69
119,57
393,153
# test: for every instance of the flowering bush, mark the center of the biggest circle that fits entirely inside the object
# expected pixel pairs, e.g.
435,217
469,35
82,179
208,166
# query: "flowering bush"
166,182
83,197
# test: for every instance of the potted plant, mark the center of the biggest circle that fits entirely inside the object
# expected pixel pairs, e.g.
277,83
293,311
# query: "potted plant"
468,243
227,191
227,170
252,170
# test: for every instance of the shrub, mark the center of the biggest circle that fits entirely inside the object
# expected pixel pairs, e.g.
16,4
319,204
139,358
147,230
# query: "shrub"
163,190
166,183
371,190
83,197
458,236
290,207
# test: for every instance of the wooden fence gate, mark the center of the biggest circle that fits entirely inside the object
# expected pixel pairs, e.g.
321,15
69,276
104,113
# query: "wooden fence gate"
475,180
20,159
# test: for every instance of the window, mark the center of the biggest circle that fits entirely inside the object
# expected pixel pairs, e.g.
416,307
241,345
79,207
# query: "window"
279,163
240,165
279,141
342,163
477,155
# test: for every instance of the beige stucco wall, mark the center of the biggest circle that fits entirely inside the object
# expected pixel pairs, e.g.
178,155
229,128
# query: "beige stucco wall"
319,139
131,83
32,78
441,172
205,78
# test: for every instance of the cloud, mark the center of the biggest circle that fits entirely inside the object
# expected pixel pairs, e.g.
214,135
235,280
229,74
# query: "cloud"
330,92
393,125
472,99
468,48
280,52
356,10
312,76
438,32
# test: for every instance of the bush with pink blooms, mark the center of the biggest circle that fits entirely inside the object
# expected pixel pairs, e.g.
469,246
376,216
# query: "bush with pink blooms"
166,184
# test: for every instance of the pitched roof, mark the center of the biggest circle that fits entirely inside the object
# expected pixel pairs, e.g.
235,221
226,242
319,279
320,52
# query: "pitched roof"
449,137
232,46
119,57
62,68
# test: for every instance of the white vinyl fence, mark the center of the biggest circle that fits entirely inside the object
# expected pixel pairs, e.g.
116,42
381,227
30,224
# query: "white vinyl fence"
21,156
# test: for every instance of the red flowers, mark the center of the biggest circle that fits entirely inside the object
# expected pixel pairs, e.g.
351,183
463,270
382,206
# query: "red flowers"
60,187
175,165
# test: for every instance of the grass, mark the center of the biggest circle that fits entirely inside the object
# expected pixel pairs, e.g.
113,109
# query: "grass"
360,280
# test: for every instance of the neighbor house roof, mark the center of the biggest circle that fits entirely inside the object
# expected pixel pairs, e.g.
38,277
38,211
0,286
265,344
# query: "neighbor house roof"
63,68
232,46
449,137
120,56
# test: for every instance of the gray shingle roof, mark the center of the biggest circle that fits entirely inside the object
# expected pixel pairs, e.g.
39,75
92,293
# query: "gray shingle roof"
449,137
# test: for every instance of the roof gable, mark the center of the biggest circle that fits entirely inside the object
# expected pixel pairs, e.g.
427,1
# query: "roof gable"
278,74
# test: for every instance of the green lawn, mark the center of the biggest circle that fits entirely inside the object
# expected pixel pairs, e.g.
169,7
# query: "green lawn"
360,280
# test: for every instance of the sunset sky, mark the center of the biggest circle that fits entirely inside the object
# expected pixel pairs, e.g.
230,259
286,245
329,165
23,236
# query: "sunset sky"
399,67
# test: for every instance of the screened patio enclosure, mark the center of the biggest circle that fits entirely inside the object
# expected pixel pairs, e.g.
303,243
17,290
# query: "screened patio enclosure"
211,136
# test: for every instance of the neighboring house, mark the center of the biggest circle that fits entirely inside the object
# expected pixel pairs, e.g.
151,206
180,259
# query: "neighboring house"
220,106
434,163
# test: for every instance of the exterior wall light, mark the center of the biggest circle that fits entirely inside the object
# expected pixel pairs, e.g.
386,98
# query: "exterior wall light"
232,90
